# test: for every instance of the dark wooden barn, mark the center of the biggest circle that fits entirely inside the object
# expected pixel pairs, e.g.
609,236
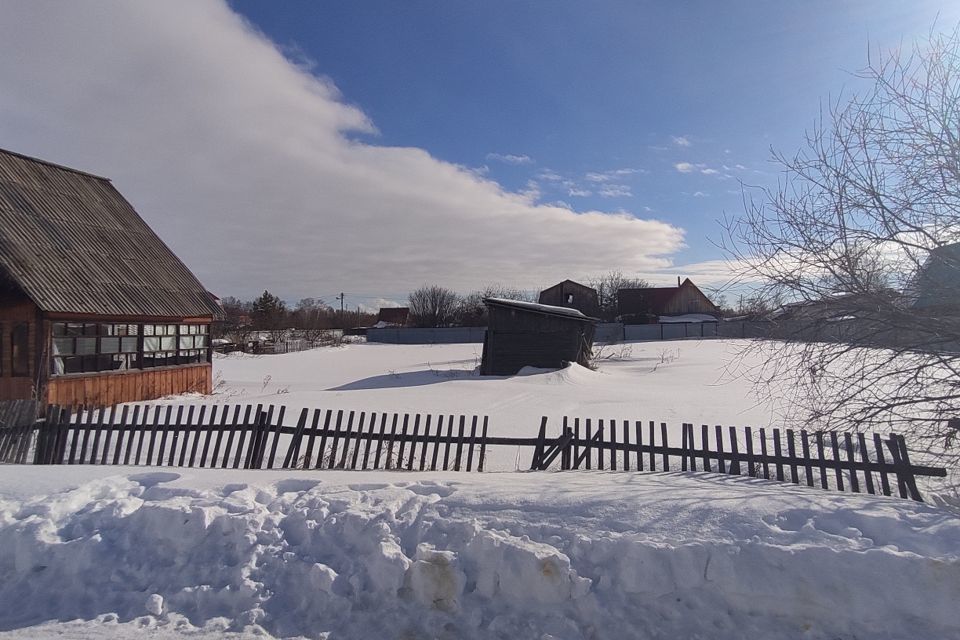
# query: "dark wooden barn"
393,316
94,308
648,305
572,295
527,334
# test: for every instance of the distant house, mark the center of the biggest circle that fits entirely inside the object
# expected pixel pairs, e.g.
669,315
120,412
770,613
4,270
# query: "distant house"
572,295
94,308
392,317
525,334
683,303
937,285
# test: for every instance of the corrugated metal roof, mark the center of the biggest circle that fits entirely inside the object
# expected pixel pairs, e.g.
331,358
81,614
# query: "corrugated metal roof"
75,245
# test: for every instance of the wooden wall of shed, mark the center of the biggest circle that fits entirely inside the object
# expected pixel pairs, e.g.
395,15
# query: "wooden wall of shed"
17,309
517,339
689,299
109,388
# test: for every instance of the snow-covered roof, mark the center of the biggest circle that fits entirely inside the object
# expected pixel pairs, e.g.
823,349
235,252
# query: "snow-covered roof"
539,308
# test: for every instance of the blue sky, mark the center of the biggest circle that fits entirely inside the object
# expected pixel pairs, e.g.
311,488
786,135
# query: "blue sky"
311,148
579,88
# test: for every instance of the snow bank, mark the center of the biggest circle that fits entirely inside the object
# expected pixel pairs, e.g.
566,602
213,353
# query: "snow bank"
380,555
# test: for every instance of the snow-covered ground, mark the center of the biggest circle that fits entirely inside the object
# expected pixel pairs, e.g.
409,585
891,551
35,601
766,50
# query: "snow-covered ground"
535,555
675,382
170,553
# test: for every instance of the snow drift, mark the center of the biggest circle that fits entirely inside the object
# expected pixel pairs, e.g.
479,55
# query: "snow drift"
507,555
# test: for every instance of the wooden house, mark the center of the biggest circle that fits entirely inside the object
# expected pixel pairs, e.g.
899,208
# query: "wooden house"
660,304
94,308
572,295
392,316
527,334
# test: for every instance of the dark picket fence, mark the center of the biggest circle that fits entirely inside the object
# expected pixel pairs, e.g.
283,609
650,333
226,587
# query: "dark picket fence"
816,459
255,437
17,418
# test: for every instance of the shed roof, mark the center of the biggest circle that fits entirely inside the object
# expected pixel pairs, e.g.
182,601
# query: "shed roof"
535,307
73,244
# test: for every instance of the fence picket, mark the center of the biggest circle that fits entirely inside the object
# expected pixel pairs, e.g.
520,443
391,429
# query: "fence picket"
403,441
807,465
792,453
638,431
358,442
436,444
837,463
763,453
884,481
473,438
371,430
483,445
705,446
108,437
321,452
852,461
865,458
735,453
426,442
824,484
293,448
335,439
380,440
413,442
778,452
653,442
347,436
446,448
665,444
613,445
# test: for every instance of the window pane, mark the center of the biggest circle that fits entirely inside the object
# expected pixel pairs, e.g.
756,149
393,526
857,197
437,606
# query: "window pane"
186,342
59,329
132,330
73,364
151,344
200,341
204,328
63,346
128,345
86,346
109,345
89,329
168,344
108,330
74,329
171,329
148,329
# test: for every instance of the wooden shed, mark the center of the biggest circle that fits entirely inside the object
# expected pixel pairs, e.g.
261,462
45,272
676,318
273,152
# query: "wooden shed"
527,334
94,308
572,295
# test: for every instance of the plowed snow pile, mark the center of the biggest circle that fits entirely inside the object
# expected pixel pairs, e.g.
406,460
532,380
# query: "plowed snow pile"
124,553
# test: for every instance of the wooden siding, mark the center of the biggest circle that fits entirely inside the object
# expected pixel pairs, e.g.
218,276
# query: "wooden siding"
584,298
688,299
16,309
518,338
103,389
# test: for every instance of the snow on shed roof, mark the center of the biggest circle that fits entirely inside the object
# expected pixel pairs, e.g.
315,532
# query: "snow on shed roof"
536,307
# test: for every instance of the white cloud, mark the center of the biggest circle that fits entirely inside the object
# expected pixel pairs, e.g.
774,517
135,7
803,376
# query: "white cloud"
680,141
700,194
509,158
615,191
708,171
685,167
576,192
549,175
612,174
249,167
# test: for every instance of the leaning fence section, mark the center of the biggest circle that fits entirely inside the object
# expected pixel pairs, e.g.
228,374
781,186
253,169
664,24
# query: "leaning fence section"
258,437
855,462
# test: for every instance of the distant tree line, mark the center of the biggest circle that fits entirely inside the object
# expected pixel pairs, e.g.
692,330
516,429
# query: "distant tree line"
437,306
311,317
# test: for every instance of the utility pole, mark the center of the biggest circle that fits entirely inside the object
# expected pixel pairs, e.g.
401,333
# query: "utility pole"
343,319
